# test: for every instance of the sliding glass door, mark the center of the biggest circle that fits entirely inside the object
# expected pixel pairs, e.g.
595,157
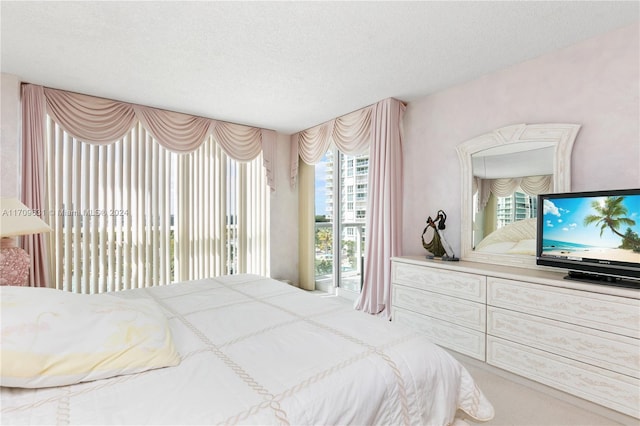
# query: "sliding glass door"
132,214
341,200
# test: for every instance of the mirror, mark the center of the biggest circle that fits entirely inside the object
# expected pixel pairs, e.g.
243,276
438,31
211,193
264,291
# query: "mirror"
502,171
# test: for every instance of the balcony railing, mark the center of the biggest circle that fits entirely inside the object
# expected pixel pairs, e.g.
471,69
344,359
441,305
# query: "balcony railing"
351,257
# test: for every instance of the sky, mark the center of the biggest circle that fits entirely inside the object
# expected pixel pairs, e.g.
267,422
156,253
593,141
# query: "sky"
564,221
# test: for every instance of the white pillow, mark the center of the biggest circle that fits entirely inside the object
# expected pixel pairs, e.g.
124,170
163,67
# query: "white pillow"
524,247
501,248
54,338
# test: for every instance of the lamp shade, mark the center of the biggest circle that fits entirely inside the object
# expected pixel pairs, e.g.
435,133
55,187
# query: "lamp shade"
18,219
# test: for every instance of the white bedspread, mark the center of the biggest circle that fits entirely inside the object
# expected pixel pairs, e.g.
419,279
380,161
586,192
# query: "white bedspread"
258,351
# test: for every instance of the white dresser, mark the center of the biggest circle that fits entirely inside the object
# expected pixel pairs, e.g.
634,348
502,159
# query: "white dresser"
580,338
449,307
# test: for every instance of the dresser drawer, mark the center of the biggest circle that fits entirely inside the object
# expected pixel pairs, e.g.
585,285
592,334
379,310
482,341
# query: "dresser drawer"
460,339
608,313
458,311
456,284
606,350
617,391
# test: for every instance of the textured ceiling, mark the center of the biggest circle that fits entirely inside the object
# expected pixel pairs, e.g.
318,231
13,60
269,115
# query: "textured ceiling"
285,66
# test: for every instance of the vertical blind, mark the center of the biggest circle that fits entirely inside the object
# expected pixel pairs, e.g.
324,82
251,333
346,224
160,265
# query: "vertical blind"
132,214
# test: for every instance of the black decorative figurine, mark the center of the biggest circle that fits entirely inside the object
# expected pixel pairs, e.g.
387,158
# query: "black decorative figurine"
438,246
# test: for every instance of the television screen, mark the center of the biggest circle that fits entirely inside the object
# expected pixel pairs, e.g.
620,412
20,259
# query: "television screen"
598,232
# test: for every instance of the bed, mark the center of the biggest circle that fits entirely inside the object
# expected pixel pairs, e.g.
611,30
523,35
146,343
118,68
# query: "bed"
516,238
238,349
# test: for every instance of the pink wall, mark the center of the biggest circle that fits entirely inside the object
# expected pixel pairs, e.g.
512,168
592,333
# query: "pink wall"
10,156
595,83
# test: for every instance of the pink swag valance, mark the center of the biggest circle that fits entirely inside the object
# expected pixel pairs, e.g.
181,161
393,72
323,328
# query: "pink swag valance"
104,121
504,187
351,133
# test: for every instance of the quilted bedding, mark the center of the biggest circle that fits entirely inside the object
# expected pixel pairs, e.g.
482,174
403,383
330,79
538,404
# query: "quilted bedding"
257,351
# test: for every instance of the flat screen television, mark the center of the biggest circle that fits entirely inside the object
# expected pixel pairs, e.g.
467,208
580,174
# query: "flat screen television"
595,235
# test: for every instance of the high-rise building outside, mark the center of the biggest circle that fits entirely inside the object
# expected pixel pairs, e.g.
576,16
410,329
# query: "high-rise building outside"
515,207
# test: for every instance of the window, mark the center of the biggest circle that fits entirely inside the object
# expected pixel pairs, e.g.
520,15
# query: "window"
515,207
338,262
133,214
349,168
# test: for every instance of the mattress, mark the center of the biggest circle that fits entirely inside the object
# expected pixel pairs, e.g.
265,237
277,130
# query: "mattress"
254,350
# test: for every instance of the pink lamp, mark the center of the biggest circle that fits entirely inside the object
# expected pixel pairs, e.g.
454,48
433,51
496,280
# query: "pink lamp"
16,219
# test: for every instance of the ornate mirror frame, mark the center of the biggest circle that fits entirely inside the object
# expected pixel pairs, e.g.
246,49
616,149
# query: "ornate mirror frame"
561,136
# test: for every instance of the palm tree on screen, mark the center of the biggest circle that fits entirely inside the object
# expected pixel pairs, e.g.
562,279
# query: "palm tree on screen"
610,214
